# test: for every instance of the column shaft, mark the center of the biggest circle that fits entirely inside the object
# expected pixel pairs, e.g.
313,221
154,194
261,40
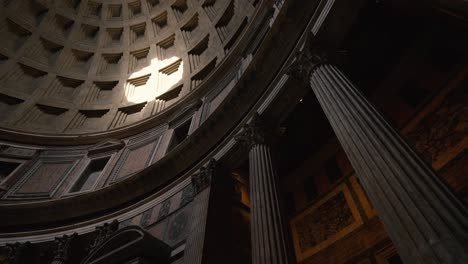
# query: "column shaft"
426,222
267,225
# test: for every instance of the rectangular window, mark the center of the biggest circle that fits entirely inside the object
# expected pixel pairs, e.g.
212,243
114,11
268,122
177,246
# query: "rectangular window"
6,168
90,175
180,133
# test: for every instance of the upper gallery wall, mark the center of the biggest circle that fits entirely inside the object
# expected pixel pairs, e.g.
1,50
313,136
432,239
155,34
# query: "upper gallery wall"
86,66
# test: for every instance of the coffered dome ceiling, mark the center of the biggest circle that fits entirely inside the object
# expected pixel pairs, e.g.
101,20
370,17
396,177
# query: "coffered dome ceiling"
85,66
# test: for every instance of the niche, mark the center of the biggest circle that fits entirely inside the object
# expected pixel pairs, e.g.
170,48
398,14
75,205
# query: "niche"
90,175
6,168
180,133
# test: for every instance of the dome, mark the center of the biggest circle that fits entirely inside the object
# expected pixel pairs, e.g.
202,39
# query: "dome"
233,131
83,67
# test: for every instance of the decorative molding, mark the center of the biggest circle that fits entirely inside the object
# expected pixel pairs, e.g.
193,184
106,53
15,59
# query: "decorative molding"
308,57
130,243
242,94
164,210
63,247
154,140
177,227
103,232
184,114
327,221
14,152
124,219
16,252
187,195
254,133
107,145
14,193
203,179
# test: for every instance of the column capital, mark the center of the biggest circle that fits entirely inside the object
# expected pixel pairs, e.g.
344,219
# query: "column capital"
16,251
62,247
103,232
203,179
253,133
311,55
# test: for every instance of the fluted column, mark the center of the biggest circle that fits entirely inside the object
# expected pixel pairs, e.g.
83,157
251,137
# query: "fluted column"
424,219
268,237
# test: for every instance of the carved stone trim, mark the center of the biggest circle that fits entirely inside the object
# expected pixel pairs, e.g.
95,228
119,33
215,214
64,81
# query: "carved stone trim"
254,133
106,146
310,56
203,179
103,232
16,251
63,247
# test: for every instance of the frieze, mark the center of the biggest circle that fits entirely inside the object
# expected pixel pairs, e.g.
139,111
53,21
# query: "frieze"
177,227
146,218
126,223
203,179
187,195
165,209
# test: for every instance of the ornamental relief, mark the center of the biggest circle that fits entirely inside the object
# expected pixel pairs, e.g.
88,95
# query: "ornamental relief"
329,220
442,134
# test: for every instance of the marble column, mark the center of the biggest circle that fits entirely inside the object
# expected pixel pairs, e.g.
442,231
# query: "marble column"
269,243
424,219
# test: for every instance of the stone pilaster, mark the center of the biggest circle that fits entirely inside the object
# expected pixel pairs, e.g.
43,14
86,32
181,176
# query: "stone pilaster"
196,240
426,222
269,243
62,249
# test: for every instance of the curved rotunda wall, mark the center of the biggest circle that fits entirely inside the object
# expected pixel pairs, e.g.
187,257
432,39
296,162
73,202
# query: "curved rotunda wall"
84,66
82,167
